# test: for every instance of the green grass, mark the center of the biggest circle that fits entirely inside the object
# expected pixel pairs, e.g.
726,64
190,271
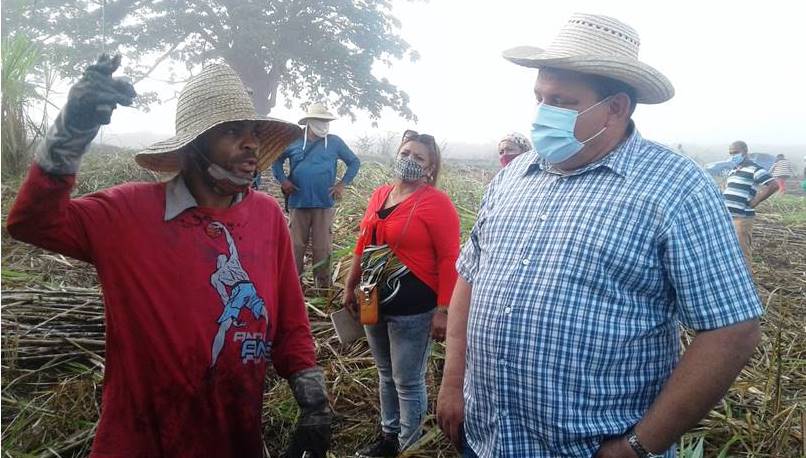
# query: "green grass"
790,209
53,409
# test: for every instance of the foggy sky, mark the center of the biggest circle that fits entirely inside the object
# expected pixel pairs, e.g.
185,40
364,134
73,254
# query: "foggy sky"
737,67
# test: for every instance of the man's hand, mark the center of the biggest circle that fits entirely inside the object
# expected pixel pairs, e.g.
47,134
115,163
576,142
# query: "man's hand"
309,442
313,428
92,99
337,191
288,187
451,410
764,193
89,105
439,324
615,448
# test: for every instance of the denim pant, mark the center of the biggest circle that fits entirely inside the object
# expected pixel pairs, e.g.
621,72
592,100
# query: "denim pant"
467,452
401,345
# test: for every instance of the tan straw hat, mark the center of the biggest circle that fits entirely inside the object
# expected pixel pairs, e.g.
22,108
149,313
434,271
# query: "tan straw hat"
215,96
317,111
598,45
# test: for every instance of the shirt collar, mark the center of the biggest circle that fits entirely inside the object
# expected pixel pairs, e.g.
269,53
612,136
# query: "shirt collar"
619,160
178,198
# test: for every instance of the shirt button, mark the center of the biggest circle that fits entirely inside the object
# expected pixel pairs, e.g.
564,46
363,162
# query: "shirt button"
525,262
508,310
544,216
504,412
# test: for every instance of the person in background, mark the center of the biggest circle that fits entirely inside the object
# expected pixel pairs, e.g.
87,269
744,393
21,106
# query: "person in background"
183,264
512,146
587,254
311,188
781,171
421,226
747,185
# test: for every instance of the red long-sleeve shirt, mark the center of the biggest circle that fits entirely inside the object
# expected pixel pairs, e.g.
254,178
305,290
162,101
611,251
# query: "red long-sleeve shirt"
430,245
171,287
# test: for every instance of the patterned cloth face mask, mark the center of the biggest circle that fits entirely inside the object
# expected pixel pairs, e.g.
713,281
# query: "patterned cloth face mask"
408,170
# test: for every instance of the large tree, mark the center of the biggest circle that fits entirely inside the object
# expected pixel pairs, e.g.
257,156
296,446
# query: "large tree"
304,49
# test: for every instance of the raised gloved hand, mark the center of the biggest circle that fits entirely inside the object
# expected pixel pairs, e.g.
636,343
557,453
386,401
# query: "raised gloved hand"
90,103
313,428
93,98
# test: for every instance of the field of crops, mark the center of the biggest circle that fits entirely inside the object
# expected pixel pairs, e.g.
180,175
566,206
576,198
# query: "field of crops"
53,347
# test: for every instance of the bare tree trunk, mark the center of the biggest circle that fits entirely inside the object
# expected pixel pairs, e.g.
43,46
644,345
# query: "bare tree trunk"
262,84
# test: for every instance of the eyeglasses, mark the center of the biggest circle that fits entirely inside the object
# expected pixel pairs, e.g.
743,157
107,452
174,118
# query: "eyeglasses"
409,135
413,136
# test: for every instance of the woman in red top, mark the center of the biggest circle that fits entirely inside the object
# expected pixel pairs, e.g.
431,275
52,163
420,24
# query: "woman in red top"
421,226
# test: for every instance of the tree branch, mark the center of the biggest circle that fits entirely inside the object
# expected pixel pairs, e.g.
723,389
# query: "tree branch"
158,61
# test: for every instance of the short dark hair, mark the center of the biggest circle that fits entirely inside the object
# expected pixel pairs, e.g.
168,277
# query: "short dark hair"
603,86
740,145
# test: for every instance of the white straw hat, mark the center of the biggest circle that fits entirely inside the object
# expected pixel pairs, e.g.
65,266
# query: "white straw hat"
317,111
598,45
215,96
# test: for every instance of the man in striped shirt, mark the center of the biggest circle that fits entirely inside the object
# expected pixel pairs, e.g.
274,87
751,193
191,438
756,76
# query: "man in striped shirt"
747,186
781,171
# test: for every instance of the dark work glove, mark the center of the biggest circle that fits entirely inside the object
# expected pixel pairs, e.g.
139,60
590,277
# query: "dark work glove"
313,428
89,105
91,100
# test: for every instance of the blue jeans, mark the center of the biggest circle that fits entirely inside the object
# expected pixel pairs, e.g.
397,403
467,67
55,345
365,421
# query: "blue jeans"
467,452
401,345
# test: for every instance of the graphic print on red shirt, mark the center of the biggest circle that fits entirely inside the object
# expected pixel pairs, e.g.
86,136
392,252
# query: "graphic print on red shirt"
241,294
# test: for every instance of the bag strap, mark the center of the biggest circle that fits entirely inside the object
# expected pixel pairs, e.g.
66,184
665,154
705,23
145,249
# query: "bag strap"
305,153
408,220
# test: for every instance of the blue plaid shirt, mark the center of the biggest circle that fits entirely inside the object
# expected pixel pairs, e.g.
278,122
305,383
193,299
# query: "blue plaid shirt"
579,282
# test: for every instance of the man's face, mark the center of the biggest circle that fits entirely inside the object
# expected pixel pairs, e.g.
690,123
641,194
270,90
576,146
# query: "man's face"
564,89
233,146
734,149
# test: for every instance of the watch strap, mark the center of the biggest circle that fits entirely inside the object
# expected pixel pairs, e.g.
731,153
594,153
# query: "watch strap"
638,448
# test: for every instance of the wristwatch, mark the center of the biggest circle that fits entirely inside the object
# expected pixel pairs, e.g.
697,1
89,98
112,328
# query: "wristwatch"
639,449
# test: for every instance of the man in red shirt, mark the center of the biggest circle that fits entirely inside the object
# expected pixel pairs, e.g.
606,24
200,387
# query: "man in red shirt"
198,273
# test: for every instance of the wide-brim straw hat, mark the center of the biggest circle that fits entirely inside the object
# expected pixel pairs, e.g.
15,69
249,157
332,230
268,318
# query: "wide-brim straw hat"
317,111
213,97
598,45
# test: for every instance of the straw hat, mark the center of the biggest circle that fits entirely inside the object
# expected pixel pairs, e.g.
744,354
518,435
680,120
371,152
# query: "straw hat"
317,111
215,96
598,45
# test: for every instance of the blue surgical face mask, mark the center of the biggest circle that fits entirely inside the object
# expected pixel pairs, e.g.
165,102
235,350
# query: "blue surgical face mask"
553,132
736,159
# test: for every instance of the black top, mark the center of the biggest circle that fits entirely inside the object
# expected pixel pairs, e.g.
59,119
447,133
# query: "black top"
414,296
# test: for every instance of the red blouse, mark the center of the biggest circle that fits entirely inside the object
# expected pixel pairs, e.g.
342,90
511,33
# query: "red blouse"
430,245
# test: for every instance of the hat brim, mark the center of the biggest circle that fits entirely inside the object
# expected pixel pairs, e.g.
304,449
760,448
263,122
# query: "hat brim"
274,136
650,85
323,117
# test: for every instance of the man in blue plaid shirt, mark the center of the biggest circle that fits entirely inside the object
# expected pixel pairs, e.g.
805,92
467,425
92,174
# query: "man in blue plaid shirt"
586,254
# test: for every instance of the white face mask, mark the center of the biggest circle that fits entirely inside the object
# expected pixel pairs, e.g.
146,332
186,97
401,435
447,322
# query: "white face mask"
319,127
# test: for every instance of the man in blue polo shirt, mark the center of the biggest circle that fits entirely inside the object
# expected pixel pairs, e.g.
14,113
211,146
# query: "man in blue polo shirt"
748,185
563,336
311,188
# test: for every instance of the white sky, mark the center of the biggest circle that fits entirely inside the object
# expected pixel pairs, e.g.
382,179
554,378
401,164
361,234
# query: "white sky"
738,69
